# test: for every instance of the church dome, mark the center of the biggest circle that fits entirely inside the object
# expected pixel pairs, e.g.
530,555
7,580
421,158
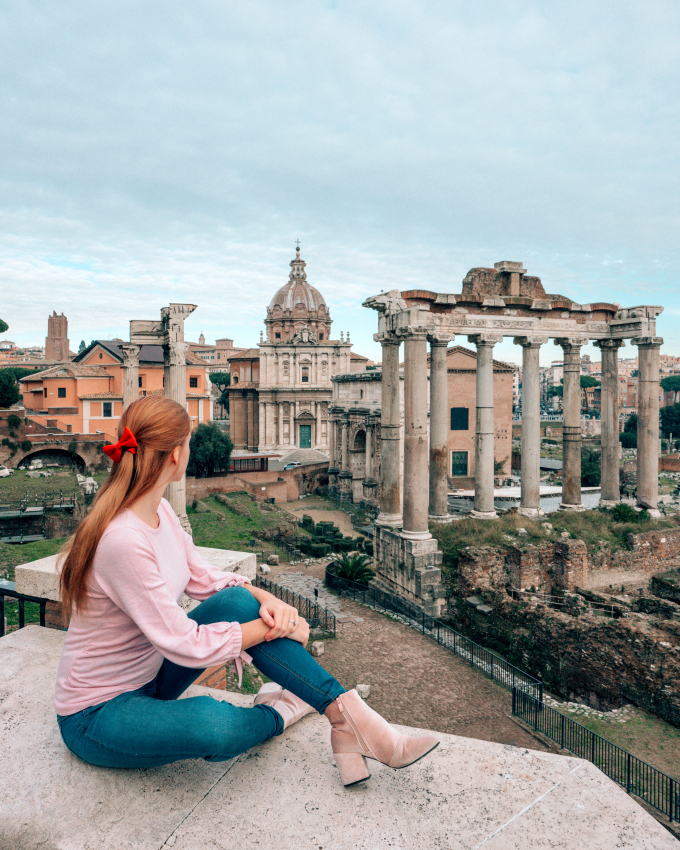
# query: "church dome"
295,293
297,305
298,292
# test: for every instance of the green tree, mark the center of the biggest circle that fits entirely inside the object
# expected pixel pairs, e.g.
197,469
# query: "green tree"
628,439
21,371
9,389
82,346
670,419
671,384
631,424
635,373
591,470
3,327
587,382
220,379
209,451
558,391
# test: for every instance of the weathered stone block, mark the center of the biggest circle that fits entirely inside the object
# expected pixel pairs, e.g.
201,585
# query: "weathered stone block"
317,648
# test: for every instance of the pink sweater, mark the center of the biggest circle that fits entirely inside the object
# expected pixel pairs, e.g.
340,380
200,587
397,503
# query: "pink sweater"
133,620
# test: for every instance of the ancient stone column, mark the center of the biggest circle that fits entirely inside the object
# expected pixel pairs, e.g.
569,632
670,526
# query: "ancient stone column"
648,423
610,443
344,462
175,371
390,490
270,427
280,440
369,451
571,424
530,503
416,477
262,429
439,430
130,372
484,429
331,440
317,436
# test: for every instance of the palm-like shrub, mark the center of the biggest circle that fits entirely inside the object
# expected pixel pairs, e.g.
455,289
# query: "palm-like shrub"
355,568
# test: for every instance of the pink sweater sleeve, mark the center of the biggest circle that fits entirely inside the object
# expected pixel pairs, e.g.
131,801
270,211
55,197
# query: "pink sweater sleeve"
128,574
206,579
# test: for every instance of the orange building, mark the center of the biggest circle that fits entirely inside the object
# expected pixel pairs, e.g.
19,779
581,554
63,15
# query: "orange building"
86,395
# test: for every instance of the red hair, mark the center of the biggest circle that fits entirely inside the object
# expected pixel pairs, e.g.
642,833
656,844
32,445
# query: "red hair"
159,425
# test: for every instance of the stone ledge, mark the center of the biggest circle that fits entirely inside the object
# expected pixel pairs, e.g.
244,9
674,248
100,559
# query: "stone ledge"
39,578
287,792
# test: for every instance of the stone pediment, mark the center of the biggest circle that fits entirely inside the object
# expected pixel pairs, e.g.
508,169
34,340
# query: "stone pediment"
305,415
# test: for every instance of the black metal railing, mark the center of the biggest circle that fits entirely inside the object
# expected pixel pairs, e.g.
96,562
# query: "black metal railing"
8,589
655,788
493,665
316,616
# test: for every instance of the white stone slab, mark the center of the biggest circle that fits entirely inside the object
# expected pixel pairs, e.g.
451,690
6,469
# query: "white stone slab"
287,793
39,578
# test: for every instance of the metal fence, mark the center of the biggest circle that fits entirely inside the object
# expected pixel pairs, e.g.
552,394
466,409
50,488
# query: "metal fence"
488,662
8,589
636,776
316,616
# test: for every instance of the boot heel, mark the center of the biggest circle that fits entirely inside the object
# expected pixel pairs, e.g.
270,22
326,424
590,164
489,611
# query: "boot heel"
352,767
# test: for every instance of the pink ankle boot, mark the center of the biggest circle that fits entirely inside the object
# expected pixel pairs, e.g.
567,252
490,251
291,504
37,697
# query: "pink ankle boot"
290,707
359,733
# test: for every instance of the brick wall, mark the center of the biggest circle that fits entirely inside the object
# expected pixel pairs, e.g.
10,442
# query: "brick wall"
286,485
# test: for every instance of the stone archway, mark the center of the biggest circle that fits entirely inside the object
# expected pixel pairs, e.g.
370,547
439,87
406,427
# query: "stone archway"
52,455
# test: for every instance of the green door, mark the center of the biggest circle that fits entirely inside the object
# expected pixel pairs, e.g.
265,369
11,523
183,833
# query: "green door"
459,463
305,436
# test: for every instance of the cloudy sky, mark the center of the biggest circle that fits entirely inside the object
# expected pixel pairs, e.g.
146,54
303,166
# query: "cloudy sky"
164,151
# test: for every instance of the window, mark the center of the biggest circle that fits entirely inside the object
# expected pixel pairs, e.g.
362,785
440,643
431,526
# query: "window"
61,392
277,336
193,382
459,463
459,419
163,380
320,336
139,381
45,392
236,379
106,408
305,374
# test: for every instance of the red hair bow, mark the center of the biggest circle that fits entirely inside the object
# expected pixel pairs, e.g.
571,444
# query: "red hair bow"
115,450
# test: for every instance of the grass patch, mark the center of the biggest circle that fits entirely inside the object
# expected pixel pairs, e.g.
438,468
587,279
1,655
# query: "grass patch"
14,487
234,531
645,736
592,527
11,556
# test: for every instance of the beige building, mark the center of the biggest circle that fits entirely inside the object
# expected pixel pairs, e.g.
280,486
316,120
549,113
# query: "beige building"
355,414
280,391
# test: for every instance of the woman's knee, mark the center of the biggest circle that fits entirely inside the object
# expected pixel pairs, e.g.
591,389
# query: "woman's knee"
228,605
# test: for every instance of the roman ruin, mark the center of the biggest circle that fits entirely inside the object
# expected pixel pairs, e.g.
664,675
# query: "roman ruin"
494,303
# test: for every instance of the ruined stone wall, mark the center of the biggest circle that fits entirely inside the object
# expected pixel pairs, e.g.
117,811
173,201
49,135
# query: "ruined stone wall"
565,564
602,661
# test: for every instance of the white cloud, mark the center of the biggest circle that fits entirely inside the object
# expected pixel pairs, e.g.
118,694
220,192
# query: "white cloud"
164,151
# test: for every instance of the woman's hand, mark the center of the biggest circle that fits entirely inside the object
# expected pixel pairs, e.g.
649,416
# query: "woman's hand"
283,620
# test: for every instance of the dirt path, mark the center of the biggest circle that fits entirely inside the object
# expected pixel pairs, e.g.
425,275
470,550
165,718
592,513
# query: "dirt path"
413,681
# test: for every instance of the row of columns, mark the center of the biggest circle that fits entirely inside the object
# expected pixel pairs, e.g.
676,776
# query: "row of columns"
425,489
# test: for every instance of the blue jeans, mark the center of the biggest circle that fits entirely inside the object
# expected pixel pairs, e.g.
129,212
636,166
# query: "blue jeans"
151,726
